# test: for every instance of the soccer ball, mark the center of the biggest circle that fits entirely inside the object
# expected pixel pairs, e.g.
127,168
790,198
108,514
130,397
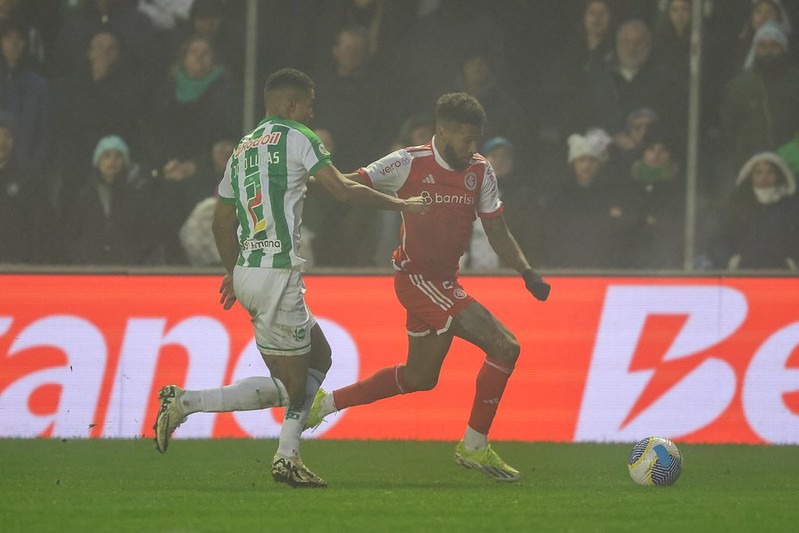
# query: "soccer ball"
655,461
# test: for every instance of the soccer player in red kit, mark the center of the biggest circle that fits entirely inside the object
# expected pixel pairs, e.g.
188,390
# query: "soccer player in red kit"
457,184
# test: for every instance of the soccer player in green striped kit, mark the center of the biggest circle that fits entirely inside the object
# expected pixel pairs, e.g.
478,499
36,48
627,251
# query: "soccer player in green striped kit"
257,230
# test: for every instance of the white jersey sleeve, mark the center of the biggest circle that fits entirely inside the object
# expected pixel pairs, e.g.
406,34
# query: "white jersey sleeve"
309,151
225,187
488,203
389,173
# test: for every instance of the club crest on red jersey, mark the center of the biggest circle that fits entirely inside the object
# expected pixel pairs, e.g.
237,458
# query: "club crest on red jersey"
470,181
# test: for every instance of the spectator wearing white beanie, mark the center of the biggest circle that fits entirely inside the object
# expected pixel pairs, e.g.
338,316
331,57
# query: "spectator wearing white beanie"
594,143
770,31
760,226
585,219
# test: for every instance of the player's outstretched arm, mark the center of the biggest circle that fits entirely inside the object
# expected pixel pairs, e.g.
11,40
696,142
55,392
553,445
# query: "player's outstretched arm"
357,177
506,247
348,191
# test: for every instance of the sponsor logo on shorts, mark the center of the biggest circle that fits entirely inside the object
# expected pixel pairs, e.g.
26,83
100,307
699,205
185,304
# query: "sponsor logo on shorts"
267,245
299,334
459,293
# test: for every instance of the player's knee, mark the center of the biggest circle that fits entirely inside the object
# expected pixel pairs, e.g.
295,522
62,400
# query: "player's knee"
419,382
424,384
507,349
323,362
321,357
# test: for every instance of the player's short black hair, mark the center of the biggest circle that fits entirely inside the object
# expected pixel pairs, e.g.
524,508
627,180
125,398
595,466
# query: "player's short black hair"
461,108
288,78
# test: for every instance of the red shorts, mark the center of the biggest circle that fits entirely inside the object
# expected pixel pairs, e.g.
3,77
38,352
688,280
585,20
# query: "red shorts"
431,304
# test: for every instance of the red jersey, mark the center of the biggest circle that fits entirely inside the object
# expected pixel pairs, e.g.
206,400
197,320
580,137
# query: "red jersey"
432,244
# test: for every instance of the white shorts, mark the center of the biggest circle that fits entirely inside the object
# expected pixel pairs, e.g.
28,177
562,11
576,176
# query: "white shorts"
275,299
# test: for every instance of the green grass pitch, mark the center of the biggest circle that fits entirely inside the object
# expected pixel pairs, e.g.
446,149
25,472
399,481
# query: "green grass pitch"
224,485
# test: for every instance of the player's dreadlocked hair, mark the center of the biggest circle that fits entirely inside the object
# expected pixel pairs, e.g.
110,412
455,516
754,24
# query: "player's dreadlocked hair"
461,108
288,78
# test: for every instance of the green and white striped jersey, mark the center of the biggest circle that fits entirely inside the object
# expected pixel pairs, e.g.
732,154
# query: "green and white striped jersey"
266,178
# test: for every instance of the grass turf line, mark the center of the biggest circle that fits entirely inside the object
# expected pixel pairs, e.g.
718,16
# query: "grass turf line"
224,485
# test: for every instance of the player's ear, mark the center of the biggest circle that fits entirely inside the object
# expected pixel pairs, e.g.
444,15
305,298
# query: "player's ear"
441,131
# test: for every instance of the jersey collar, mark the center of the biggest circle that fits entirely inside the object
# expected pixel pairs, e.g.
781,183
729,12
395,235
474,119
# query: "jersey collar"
437,155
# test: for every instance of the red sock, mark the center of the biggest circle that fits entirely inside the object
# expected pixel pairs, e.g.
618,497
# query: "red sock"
382,384
491,381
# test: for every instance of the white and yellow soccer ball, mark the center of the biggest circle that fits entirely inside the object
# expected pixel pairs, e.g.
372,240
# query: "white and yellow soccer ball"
655,461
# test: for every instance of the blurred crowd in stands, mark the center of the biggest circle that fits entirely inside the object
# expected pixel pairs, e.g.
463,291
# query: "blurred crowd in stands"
117,118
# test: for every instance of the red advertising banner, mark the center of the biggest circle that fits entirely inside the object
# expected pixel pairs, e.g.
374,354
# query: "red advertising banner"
605,359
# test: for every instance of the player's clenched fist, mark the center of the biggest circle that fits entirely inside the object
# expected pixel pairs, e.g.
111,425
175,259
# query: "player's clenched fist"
415,205
536,285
